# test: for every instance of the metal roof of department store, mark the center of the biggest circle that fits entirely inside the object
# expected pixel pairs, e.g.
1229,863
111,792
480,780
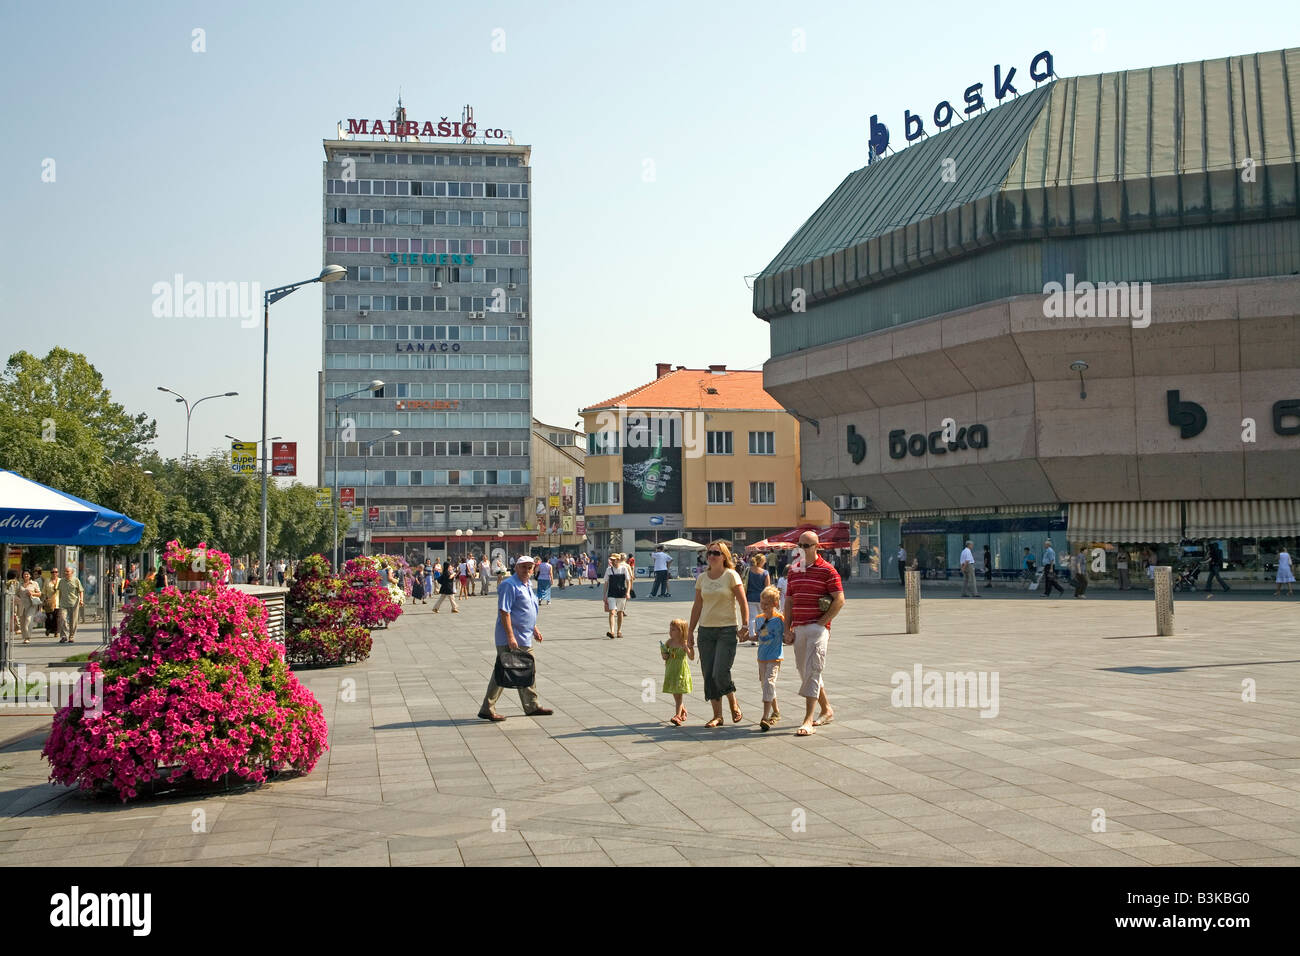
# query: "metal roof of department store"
1112,152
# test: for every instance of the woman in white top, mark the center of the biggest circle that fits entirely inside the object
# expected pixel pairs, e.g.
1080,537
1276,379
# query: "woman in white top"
618,582
722,614
1284,573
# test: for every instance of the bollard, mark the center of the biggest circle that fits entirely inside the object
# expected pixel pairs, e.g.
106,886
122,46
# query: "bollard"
912,600
1164,601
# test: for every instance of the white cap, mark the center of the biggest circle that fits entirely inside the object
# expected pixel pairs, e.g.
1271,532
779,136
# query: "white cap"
525,559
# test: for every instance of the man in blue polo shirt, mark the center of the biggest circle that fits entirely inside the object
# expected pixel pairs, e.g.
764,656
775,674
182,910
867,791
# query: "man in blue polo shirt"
516,628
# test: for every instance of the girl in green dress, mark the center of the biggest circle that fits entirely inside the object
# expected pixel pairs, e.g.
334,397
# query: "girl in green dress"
677,654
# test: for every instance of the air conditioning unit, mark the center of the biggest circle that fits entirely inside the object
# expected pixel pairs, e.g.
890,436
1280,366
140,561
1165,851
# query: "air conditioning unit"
840,503
512,286
856,503
437,284
478,315
363,313
521,315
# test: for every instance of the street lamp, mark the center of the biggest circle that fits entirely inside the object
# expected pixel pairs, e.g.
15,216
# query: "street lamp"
189,411
372,387
365,500
328,274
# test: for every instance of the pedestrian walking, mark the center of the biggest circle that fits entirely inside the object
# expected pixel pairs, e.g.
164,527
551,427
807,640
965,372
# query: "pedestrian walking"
1079,573
618,582
544,574
813,597
660,560
1216,564
968,572
771,650
1284,573
562,572
988,567
1049,570
677,653
516,629
417,586
484,575
29,602
447,587
428,582
49,603
1121,569
901,558
756,580
71,599
718,594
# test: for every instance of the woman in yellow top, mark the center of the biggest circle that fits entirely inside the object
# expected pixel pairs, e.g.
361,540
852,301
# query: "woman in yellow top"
718,595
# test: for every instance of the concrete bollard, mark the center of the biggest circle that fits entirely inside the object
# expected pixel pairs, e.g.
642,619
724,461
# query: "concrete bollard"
912,600
1164,590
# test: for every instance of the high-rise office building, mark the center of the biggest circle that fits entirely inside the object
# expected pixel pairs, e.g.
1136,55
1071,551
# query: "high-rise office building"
433,227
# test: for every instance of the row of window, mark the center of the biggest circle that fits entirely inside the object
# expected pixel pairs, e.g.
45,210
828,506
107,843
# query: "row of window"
760,493
403,478
423,390
450,517
427,303
400,244
427,217
439,419
430,449
434,159
452,362
517,275
429,333
426,187
716,443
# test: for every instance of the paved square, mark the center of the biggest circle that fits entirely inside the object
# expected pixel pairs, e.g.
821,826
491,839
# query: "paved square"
1095,719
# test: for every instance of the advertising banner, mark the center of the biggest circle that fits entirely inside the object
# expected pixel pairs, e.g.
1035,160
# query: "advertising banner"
347,497
323,498
243,457
284,459
581,504
652,479
580,523
566,495
555,485
374,514
553,501
566,522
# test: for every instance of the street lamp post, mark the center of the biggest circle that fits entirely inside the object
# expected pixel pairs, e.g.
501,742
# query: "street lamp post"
365,500
189,411
328,274
372,387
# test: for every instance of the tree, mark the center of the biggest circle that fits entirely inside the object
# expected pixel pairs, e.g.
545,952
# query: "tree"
58,423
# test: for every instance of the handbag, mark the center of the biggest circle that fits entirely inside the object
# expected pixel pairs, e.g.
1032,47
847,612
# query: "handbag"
514,669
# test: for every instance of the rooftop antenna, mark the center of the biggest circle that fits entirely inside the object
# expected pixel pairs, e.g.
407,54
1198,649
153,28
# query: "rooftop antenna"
399,114
466,116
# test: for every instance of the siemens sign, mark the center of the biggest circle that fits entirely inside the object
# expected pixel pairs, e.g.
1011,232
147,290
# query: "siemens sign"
1040,68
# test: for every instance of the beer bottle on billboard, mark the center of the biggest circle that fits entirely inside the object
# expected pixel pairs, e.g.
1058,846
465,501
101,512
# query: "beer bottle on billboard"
650,489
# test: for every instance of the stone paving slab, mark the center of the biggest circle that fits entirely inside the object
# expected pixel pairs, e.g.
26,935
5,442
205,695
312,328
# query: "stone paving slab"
1096,718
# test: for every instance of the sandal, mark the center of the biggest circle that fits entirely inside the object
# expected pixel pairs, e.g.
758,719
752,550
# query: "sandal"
675,720
825,719
715,722
610,635
804,731
736,715
765,725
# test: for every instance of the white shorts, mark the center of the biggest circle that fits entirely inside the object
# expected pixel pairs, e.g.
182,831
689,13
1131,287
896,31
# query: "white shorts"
810,642
617,604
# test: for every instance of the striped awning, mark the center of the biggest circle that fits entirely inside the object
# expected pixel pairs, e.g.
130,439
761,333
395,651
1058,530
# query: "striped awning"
988,510
1263,518
1126,522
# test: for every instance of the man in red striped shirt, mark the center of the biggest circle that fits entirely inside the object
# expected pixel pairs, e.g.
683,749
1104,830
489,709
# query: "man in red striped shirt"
806,585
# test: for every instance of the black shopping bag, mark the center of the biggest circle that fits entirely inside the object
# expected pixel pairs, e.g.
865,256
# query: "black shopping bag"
515,669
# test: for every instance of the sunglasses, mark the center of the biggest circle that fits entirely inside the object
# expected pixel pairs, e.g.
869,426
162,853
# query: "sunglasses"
715,554
811,544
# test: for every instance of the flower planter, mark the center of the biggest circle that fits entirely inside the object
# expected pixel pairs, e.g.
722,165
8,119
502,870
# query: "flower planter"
192,581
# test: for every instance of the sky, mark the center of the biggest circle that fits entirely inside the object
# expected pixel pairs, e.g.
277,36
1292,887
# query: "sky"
676,147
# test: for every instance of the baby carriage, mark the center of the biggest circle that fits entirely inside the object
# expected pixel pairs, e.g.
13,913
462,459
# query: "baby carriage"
1187,577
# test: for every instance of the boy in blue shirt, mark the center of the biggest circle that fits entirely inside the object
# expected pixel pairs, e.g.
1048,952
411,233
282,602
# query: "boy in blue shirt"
770,632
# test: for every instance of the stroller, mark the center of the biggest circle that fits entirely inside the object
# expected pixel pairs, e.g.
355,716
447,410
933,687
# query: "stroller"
1187,576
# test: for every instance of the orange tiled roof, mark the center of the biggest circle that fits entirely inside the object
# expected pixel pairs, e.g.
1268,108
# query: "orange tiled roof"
690,388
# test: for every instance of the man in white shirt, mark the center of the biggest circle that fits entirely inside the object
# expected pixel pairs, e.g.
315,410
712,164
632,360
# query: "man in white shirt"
661,562
901,558
968,588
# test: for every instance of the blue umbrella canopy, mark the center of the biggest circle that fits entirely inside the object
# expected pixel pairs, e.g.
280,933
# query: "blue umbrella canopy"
32,513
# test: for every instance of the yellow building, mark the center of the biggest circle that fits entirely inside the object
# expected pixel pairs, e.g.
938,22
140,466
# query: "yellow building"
696,453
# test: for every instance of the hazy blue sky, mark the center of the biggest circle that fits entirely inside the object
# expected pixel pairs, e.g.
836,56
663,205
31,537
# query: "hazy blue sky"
209,164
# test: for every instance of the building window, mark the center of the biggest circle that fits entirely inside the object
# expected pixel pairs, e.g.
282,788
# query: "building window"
719,443
762,443
602,443
602,493
720,491
762,492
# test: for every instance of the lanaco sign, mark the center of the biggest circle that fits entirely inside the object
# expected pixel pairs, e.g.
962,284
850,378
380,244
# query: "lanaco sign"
1040,68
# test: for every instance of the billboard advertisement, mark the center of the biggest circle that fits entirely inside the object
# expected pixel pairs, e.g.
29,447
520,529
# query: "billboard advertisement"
284,459
652,478
243,457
